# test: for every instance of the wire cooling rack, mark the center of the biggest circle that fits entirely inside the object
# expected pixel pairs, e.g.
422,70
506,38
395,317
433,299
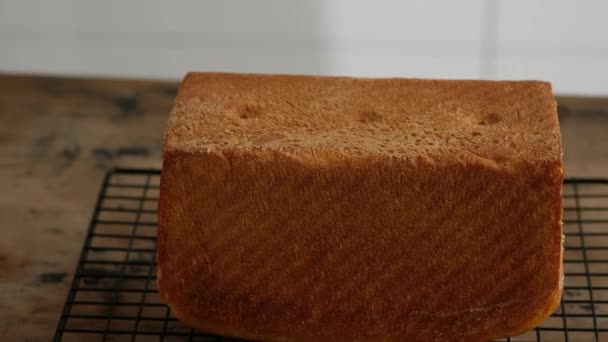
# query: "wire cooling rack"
113,296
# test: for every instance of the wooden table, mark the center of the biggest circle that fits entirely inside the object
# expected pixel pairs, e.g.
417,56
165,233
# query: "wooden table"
58,136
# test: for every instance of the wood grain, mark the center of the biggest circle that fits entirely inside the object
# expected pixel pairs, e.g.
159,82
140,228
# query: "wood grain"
57,139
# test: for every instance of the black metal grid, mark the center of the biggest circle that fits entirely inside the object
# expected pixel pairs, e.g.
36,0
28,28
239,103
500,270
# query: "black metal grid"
113,295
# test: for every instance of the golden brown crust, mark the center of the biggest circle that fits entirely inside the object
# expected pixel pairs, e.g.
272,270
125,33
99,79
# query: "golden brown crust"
265,242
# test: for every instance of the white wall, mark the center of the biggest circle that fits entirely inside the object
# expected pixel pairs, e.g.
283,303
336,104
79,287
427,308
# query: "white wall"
560,41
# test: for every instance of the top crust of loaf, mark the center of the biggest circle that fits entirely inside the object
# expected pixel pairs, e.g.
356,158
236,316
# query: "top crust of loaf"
324,119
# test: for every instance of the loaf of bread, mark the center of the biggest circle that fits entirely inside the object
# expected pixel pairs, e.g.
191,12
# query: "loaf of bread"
336,208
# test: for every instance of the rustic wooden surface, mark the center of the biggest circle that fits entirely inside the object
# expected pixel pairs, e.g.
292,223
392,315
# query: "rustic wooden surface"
58,137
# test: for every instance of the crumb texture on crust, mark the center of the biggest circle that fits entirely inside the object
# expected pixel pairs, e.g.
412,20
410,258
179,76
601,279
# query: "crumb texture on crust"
340,117
262,235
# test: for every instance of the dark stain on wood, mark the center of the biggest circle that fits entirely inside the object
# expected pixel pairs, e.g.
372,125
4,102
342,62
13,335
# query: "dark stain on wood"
44,140
67,156
52,277
572,293
127,105
41,146
33,212
70,153
171,91
55,230
103,153
124,151
140,151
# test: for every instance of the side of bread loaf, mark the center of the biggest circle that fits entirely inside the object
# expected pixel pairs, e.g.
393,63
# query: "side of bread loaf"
273,225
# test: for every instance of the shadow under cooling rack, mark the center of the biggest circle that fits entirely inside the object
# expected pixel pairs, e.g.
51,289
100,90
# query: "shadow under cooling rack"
113,296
